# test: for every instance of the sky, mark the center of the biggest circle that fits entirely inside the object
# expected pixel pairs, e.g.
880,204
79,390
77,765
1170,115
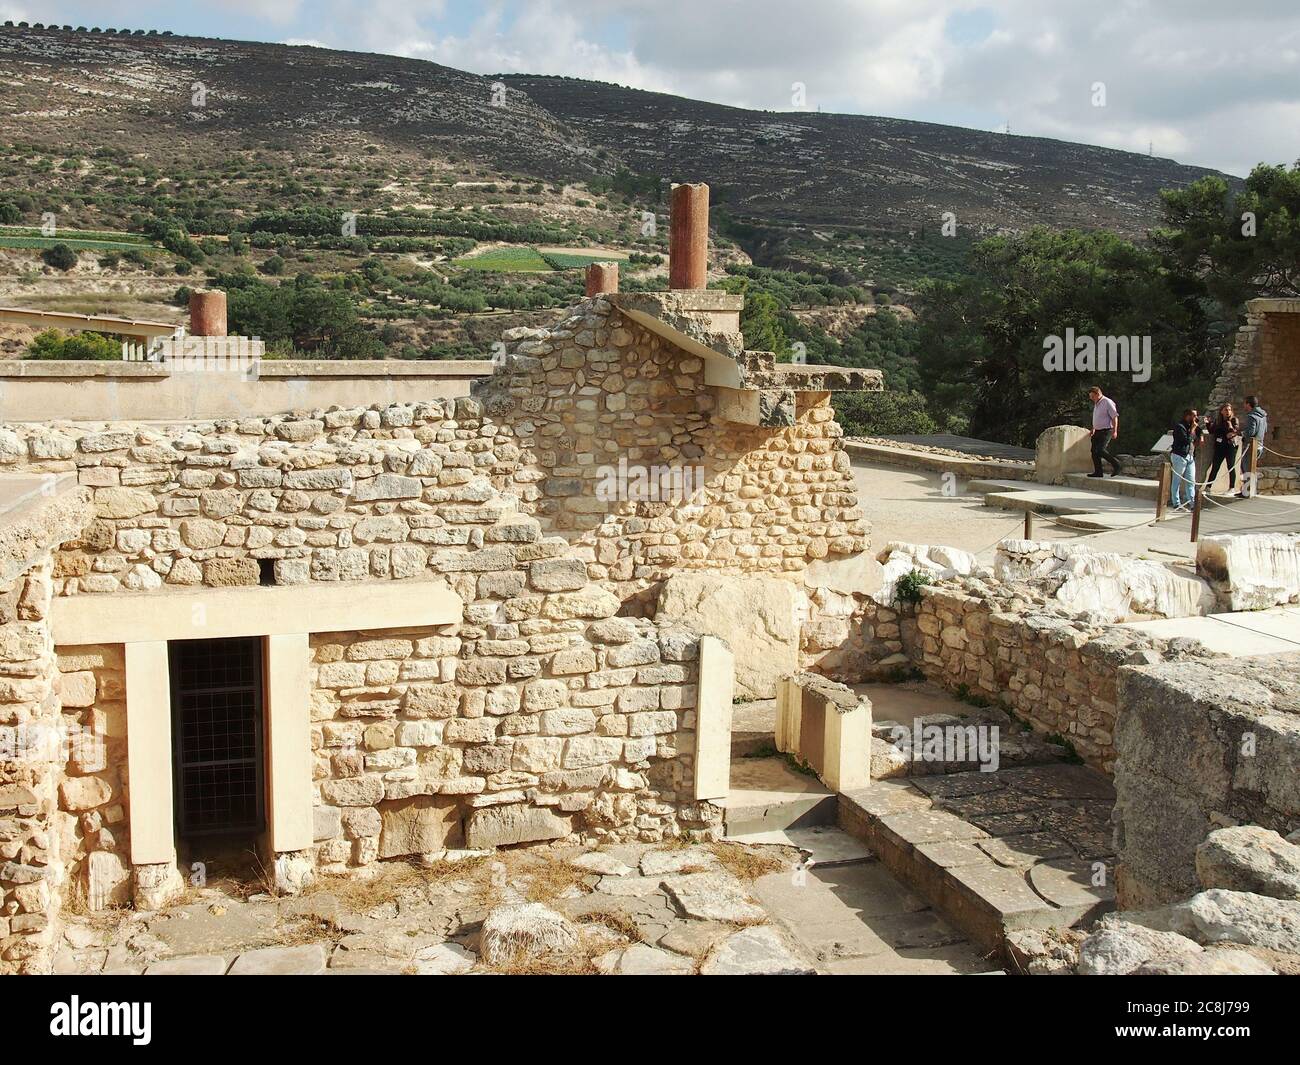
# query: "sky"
1200,81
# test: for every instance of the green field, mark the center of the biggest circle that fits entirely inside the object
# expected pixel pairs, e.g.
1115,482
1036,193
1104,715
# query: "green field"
76,239
576,260
514,260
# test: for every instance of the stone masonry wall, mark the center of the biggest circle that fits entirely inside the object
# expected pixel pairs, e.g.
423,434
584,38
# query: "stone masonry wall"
32,744
1265,361
489,737
599,388
30,865
538,715
1202,746
93,823
1057,672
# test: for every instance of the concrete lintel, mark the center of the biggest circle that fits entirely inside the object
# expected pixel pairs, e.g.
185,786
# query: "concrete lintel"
215,613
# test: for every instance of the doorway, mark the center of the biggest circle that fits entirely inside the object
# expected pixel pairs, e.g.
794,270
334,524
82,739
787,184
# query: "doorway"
217,730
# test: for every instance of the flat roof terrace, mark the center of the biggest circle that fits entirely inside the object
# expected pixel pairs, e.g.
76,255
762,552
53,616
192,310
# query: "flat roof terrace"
39,391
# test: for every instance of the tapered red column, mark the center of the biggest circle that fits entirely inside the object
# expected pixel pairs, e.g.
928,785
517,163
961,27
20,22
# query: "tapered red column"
688,237
208,314
602,278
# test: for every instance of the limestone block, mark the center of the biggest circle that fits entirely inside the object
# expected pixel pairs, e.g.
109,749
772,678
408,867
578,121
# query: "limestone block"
521,932
759,617
1061,449
1249,858
500,826
419,825
1251,572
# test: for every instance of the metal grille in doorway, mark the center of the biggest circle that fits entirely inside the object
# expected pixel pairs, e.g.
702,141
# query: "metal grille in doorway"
217,731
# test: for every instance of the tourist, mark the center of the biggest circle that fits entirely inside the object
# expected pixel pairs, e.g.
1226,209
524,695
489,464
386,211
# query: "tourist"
1182,457
1252,436
1226,431
1105,428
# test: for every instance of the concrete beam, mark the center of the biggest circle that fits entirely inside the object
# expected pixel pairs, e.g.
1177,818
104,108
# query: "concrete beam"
216,613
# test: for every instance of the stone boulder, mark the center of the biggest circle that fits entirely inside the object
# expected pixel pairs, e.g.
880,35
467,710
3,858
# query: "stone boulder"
1121,947
1044,951
1219,916
1115,586
1061,449
1249,858
900,558
759,617
521,932
1251,572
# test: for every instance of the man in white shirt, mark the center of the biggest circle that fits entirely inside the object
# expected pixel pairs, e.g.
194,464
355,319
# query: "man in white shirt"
1105,428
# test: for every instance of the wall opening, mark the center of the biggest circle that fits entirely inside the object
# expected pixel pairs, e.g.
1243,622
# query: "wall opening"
217,714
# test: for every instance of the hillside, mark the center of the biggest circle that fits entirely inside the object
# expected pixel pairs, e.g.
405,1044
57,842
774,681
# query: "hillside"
88,90
170,162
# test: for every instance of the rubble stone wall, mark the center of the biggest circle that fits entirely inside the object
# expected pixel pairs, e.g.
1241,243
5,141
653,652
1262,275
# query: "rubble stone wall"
32,779
598,389
539,705
1056,673
1201,746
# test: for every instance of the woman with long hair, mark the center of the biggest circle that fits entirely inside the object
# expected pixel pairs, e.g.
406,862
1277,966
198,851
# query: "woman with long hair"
1226,432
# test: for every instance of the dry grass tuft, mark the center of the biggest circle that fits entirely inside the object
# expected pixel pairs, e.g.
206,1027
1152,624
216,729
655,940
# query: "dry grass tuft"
747,863
615,922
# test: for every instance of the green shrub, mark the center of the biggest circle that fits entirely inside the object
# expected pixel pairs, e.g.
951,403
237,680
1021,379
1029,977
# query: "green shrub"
55,344
908,588
59,256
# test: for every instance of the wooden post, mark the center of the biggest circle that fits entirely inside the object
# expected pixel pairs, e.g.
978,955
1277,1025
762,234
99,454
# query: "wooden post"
1254,462
1162,497
1196,513
1029,524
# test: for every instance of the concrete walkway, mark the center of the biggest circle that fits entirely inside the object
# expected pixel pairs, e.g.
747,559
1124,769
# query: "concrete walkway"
1239,634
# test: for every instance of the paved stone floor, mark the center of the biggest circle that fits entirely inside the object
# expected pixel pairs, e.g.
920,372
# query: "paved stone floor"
674,910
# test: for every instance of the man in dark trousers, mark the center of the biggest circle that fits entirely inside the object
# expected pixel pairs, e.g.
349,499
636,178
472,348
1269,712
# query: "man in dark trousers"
1105,428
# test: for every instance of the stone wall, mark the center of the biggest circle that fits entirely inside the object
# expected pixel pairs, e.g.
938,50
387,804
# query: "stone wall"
1265,361
539,715
1055,671
1201,745
32,872
94,822
599,388
500,734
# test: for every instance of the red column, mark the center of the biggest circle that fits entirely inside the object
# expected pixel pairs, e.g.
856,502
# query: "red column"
688,237
602,278
208,313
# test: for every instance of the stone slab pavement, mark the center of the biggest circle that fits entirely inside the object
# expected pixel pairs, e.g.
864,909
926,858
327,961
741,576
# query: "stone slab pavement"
1024,847
1238,634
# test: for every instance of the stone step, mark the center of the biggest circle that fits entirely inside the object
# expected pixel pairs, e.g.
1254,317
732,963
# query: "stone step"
949,861
1132,487
767,795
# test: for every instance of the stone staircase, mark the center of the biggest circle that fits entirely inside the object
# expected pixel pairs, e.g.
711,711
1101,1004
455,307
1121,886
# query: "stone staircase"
1128,487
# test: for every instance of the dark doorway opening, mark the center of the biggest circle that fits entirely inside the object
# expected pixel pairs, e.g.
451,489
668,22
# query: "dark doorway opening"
217,731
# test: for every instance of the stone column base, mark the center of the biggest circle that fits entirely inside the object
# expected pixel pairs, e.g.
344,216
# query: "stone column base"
293,870
154,886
